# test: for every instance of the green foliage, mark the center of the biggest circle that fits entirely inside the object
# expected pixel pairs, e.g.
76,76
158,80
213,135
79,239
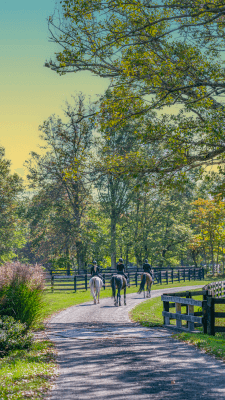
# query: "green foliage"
27,373
12,232
13,336
208,217
214,345
60,177
156,54
21,292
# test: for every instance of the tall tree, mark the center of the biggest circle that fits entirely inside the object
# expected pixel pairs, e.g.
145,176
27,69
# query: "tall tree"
209,221
11,227
114,191
155,54
61,174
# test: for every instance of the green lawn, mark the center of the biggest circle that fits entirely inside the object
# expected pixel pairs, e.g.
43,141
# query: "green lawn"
28,373
57,301
149,313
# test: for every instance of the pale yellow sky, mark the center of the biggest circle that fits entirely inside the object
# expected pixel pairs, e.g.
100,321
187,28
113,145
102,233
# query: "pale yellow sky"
30,93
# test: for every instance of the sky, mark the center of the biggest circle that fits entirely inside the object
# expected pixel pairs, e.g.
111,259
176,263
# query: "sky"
30,92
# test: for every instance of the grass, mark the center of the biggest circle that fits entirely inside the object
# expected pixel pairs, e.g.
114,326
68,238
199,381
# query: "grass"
213,345
57,301
28,373
149,314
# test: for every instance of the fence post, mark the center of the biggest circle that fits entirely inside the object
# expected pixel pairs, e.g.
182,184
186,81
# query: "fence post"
178,311
136,283
191,325
85,278
195,274
166,308
52,283
103,281
204,315
178,275
187,297
167,277
172,275
211,317
160,277
203,271
75,283
189,274
184,274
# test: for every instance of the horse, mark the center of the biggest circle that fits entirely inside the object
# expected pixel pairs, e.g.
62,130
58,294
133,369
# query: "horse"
145,279
118,282
95,284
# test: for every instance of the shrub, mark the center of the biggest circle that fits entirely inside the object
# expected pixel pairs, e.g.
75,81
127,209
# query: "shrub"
21,292
13,336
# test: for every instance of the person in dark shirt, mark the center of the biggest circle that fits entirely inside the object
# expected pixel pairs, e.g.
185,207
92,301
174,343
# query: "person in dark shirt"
120,269
95,271
147,268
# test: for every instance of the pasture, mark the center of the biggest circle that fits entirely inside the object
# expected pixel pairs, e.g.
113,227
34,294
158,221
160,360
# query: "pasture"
57,301
149,314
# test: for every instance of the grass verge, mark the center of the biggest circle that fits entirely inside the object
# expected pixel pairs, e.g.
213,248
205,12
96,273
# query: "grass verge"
149,314
57,301
213,345
28,373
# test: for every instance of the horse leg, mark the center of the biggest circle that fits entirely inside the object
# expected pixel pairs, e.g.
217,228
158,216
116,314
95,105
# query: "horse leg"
125,303
150,290
98,294
119,297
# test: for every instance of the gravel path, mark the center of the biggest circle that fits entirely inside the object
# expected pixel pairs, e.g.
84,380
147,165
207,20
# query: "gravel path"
103,355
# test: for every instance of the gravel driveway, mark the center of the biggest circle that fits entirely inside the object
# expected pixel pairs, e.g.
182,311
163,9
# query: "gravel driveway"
103,355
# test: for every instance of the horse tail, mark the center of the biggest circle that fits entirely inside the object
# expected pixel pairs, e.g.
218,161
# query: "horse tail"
113,284
142,285
92,287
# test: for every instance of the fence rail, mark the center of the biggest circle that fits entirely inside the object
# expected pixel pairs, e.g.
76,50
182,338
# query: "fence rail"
191,318
206,317
80,282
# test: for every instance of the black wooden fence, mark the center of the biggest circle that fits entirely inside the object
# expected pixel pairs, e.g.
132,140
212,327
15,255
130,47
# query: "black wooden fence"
205,316
58,282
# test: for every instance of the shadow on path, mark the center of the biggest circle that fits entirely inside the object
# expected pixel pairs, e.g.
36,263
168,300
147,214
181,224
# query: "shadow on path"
137,369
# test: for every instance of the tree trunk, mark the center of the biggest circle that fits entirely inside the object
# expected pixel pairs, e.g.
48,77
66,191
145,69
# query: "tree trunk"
136,250
67,261
127,255
80,260
113,242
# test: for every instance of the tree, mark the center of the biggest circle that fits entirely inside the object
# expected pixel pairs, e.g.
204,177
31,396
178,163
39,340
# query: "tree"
12,233
114,192
157,54
61,176
209,220
160,226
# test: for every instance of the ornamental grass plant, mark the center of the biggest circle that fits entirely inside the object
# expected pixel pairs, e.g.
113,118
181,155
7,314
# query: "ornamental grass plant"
21,292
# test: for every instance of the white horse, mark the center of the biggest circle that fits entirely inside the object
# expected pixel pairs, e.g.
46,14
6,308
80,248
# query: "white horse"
95,284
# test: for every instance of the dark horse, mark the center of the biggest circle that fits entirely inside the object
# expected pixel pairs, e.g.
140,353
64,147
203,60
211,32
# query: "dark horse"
145,279
118,282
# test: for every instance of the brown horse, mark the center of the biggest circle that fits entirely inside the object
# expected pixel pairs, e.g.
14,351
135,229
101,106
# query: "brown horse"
145,279
118,282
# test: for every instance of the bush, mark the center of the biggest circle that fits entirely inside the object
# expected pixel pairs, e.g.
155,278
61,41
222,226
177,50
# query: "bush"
21,292
13,336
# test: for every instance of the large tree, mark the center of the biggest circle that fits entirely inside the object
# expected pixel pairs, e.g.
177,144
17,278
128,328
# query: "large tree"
12,234
61,175
156,54
114,192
